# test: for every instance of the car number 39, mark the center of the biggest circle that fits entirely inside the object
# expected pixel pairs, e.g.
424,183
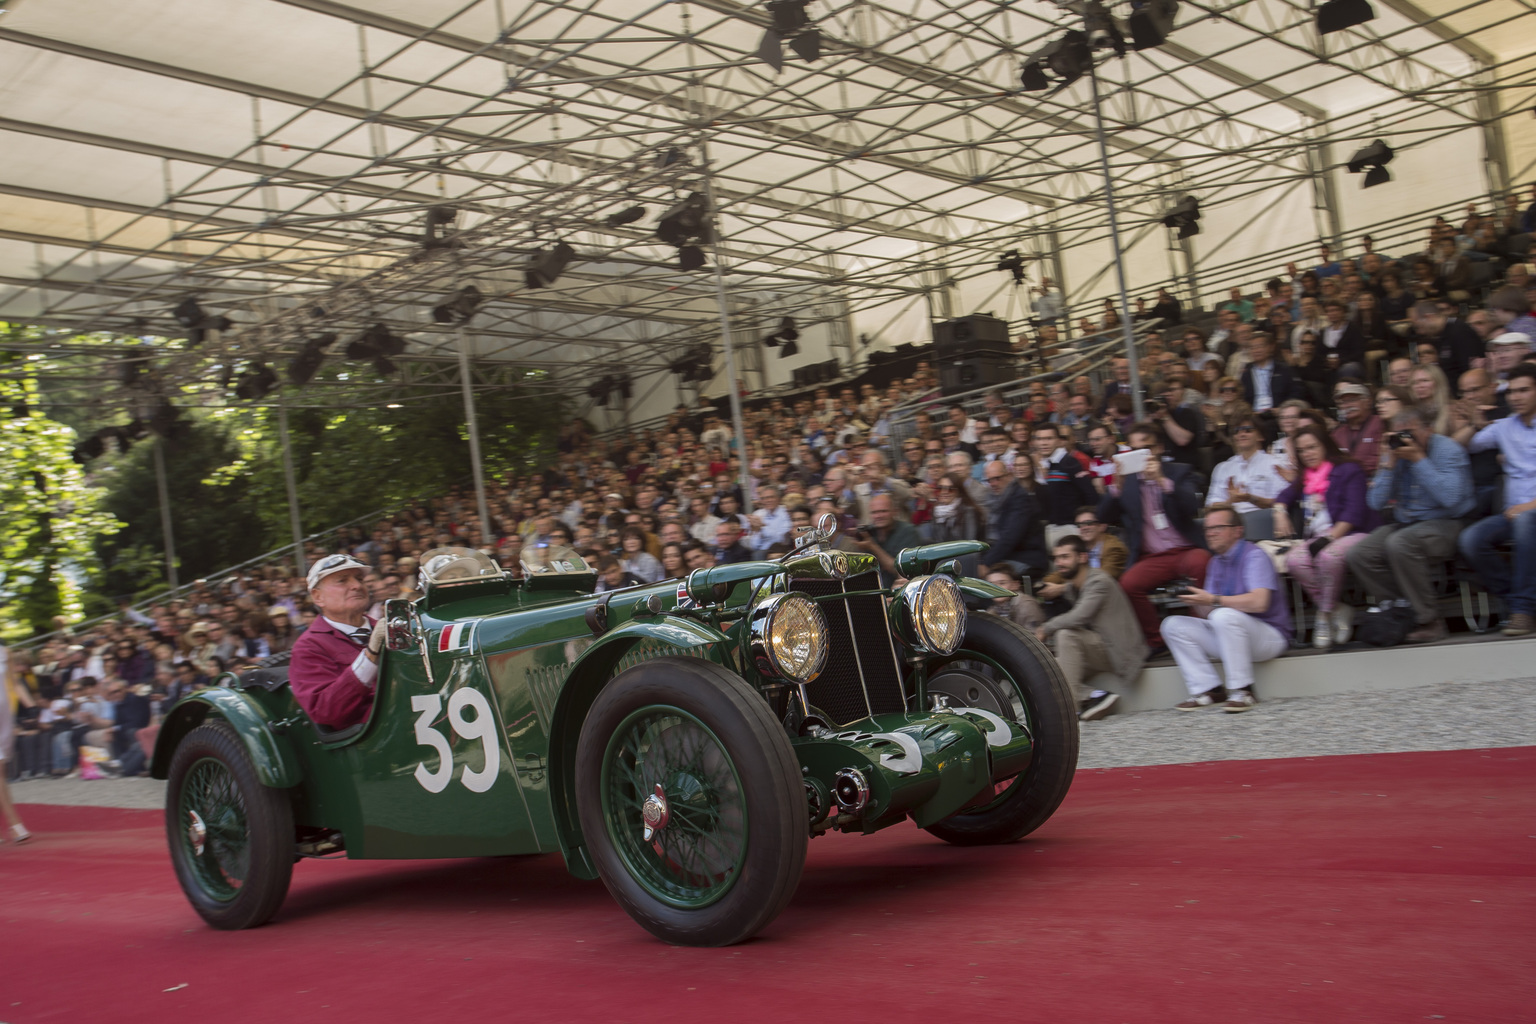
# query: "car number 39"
482,727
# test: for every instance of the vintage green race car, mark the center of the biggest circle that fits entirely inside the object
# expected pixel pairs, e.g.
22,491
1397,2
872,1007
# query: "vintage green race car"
680,741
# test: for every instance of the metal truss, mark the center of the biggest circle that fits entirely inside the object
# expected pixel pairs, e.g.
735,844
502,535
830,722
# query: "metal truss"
884,174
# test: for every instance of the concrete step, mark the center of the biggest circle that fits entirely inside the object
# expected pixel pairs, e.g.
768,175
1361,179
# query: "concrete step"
1353,669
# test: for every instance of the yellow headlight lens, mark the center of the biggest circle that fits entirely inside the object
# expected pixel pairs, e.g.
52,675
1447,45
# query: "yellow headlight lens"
938,613
791,636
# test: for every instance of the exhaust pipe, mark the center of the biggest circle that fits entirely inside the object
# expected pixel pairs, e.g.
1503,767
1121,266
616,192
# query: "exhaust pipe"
851,789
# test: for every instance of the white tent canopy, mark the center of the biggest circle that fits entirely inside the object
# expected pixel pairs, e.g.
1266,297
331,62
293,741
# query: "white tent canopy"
276,159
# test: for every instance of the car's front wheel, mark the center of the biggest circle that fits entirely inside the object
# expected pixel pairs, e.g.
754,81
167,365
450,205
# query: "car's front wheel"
690,802
231,838
1002,669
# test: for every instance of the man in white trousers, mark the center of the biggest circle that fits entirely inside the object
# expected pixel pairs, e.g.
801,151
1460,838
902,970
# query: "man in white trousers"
1240,617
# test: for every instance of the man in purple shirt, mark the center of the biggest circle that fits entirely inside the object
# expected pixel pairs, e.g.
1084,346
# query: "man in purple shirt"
1240,617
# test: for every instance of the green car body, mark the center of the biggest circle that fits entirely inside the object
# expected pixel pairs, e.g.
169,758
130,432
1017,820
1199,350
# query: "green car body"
470,747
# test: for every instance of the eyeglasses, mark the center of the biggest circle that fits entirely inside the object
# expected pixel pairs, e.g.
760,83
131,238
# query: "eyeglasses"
1222,526
1228,390
946,487
1088,522
1246,428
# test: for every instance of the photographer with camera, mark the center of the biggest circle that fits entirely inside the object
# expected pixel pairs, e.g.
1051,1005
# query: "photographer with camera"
1156,503
1240,617
1425,480
885,536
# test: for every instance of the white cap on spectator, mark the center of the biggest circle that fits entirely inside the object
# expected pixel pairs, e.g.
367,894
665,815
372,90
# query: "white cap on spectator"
1511,338
332,564
277,609
1351,388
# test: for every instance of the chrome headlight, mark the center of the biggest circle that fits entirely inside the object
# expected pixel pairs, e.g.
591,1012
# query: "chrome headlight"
789,637
934,610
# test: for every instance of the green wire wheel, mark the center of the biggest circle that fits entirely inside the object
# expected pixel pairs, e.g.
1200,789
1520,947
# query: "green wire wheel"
231,838
690,801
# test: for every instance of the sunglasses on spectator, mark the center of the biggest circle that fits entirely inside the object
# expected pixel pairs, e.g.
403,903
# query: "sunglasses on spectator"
1228,387
1088,522
1244,428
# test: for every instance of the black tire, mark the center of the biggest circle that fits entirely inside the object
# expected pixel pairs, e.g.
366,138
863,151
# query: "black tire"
750,807
238,875
1036,680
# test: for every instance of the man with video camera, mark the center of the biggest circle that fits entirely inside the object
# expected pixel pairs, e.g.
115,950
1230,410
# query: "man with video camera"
1425,480
884,536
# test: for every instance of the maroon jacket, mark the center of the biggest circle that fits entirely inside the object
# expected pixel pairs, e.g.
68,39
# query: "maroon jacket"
322,679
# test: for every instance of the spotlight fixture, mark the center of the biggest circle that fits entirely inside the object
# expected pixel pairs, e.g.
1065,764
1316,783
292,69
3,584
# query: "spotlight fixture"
784,338
1067,59
548,264
438,217
626,216
132,367
689,257
256,381
198,323
1376,156
685,222
792,23
377,343
165,420
695,364
670,157
1338,15
303,366
1185,216
458,307
606,389
1012,262
1103,32
1151,23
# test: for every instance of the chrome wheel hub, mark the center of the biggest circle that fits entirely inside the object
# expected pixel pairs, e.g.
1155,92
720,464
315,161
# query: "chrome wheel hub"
197,832
655,812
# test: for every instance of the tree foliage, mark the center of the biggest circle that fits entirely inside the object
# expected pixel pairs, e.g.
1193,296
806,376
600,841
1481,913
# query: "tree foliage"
50,516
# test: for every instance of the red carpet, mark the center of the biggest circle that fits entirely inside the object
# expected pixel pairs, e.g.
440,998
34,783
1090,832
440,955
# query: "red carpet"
1395,887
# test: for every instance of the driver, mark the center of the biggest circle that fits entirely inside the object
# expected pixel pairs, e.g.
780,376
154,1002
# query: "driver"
336,660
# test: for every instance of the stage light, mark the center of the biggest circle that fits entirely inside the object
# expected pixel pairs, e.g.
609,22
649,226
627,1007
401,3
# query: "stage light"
190,314
548,264
256,381
1012,262
685,222
1185,216
1151,23
1338,15
377,343
302,367
787,329
1376,156
689,257
789,22
1103,33
1060,62
789,348
458,307
628,216
438,217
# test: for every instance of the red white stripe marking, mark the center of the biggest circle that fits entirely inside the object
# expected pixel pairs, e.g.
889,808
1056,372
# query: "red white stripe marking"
453,637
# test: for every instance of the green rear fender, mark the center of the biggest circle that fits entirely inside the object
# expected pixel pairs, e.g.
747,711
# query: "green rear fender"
275,763
588,675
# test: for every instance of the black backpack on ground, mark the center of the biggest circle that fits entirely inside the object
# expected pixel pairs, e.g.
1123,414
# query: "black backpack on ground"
1385,625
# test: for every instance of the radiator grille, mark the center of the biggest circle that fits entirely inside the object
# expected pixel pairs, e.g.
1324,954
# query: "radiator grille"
861,677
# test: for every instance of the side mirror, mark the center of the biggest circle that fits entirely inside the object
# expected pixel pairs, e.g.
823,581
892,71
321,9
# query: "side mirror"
400,625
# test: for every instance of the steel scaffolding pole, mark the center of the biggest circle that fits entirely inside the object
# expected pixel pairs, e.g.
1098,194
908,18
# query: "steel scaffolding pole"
1114,241
487,536
165,515
294,521
725,329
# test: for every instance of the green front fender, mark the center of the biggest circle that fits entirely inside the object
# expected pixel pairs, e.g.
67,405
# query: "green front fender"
275,763
588,675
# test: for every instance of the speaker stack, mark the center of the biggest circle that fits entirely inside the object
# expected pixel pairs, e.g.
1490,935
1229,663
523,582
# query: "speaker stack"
972,352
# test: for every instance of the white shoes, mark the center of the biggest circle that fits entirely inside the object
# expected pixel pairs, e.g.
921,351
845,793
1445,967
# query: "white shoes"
18,833
1322,633
1343,623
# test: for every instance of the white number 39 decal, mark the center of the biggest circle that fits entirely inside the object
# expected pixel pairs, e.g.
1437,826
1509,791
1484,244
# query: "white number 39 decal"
482,727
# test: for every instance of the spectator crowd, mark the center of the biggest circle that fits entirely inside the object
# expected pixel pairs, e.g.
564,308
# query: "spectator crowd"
1359,423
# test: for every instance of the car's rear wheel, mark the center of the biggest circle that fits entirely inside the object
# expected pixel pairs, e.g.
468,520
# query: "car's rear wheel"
690,802
231,838
1001,668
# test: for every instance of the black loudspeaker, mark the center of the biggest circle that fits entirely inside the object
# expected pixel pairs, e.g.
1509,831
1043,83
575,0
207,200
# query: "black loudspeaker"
978,370
968,335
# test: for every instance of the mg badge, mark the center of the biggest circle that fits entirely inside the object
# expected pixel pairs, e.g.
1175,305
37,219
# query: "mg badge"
655,812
